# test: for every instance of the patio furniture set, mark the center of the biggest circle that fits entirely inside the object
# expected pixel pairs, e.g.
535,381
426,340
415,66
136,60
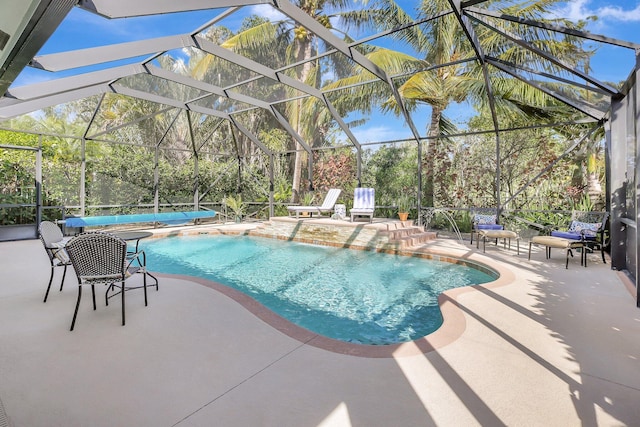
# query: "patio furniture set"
363,204
101,258
98,258
581,236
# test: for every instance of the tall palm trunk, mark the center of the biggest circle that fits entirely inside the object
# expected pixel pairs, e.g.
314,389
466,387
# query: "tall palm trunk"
303,51
430,156
594,189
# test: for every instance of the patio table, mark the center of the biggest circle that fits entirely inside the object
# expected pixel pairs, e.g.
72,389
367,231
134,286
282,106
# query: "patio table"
133,235
130,236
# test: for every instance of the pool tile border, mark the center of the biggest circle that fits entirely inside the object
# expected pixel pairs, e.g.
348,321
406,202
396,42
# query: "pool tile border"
453,326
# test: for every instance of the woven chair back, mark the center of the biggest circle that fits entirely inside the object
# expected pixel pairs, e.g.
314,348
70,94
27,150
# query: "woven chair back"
98,257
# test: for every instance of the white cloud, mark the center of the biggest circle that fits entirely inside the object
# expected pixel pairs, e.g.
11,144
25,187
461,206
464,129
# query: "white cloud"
582,9
379,133
267,11
618,13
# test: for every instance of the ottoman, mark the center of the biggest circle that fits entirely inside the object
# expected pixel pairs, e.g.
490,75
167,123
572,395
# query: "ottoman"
560,243
497,234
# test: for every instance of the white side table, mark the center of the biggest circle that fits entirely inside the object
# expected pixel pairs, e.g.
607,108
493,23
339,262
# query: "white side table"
340,212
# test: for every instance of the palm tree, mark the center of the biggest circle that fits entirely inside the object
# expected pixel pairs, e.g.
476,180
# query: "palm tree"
445,43
456,75
287,42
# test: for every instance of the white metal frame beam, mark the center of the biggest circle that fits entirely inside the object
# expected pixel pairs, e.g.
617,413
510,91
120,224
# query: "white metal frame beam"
128,8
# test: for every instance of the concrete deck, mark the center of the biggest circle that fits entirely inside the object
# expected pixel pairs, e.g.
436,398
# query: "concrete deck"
546,346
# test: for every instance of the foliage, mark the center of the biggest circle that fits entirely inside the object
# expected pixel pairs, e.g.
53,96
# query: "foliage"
458,171
405,203
335,169
307,198
391,170
236,205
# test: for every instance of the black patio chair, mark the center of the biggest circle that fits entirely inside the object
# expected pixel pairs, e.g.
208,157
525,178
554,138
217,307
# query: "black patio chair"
483,219
588,227
101,259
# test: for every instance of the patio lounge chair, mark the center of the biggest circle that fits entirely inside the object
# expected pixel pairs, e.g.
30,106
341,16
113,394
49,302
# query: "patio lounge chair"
101,259
483,219
327,205
54,241
588,228
364,203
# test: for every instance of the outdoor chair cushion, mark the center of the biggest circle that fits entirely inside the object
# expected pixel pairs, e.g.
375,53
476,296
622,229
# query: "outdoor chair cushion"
489,227
585,228
61,253
486,222
579,230
481,219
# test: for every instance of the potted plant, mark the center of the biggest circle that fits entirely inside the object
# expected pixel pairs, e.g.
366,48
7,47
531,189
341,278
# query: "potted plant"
404,206
236,205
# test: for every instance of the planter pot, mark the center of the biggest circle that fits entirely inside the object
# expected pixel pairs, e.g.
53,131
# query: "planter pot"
403,216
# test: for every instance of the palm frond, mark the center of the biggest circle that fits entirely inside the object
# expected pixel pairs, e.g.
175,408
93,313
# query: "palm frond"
259,37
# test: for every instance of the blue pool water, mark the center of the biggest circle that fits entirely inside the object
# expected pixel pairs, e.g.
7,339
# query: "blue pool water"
350,295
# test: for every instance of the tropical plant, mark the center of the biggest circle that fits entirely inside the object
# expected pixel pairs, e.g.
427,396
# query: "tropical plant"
236,205
307,198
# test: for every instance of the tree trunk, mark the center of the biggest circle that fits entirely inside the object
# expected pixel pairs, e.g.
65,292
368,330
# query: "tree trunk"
429,160
594,189
303,51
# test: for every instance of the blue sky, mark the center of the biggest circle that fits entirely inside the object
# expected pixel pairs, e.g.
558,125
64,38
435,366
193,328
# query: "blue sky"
617,19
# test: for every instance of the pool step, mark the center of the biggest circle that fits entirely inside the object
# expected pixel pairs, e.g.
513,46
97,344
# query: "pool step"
381,234
409,236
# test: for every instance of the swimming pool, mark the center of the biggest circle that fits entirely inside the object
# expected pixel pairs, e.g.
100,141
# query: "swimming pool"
350,295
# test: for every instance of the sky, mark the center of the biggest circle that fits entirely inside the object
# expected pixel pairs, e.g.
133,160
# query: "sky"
616,19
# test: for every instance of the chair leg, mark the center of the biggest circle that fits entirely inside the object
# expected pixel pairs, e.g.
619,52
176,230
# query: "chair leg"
64,274
93,296
155,279
110,288
144,284
144,264
46,295
122,292
75,313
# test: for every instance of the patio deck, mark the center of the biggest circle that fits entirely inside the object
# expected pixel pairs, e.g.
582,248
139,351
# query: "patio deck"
554,347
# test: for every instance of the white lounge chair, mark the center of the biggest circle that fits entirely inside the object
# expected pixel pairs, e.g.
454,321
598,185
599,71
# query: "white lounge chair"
364,203
327,205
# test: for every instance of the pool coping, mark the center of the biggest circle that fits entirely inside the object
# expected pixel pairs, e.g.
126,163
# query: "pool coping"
452,328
